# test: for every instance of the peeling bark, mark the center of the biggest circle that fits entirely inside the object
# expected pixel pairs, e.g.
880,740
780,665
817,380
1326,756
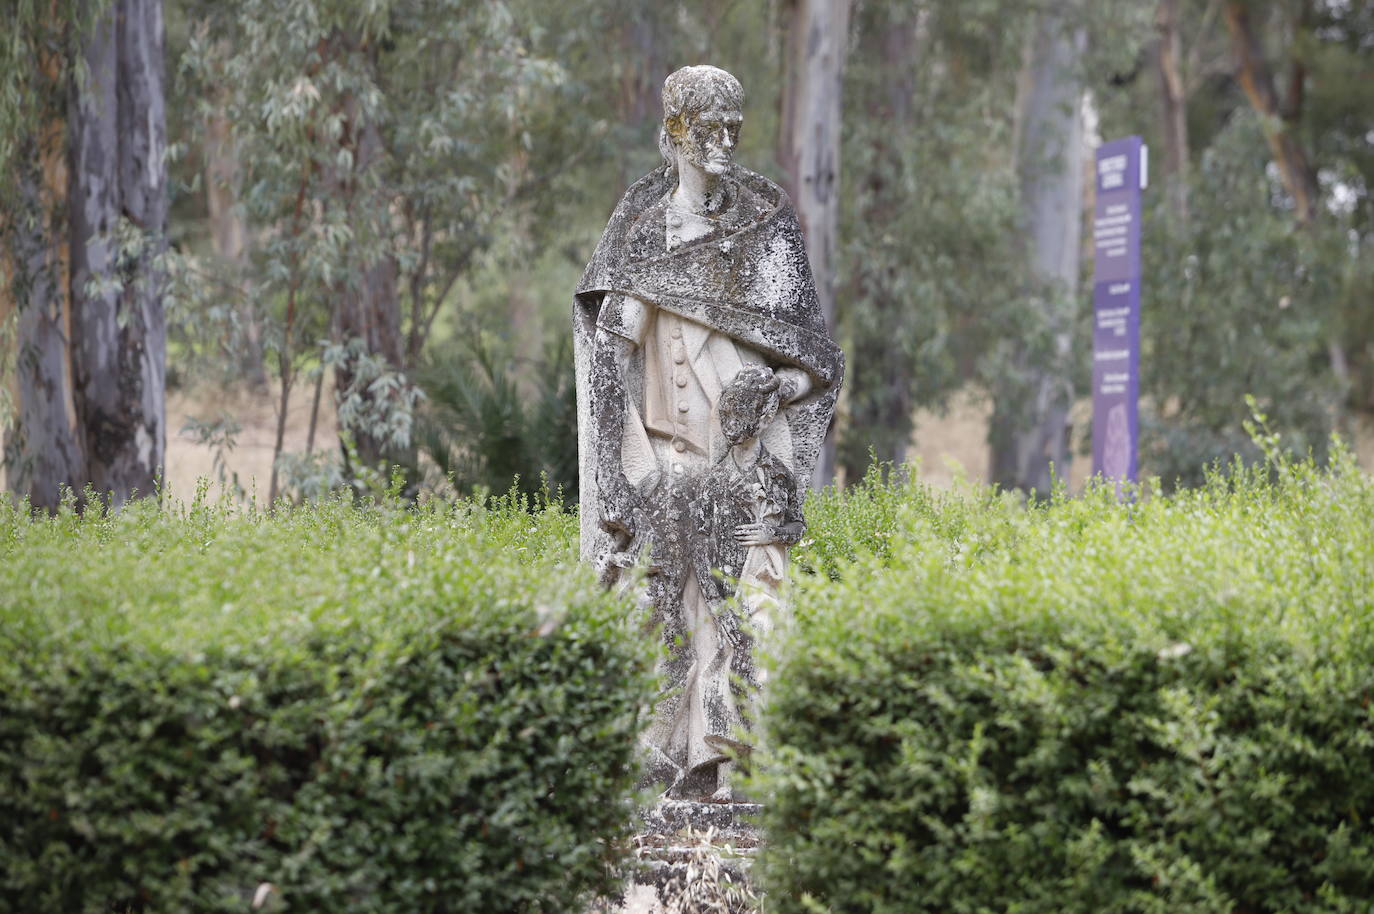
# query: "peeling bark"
809,148
47,456
1030,426
118,218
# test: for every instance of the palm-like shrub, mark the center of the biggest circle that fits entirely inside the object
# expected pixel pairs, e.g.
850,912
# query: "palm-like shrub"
483,429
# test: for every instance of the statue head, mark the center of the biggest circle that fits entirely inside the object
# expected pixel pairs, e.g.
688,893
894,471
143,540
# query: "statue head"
702,113
748,403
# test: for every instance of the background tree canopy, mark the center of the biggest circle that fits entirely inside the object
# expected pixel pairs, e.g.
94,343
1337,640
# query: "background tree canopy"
386,203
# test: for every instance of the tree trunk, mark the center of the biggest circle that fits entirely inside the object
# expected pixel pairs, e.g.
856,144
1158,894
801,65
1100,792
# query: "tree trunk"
1030,430
47,456
809,147
643,67
881,373
370,313
1279,119
1255,77
118,219
1174,102
229,235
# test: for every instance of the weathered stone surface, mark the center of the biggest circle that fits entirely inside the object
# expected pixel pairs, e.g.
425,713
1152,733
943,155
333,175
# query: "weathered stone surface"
729,820
706,380
693,856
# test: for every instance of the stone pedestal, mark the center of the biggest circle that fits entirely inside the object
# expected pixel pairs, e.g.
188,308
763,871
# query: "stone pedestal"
694,856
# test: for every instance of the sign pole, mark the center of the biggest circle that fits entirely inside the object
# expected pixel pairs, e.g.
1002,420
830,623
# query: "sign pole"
1122,172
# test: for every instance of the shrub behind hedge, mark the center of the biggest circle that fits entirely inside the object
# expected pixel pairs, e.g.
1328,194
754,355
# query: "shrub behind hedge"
1083,706
370,709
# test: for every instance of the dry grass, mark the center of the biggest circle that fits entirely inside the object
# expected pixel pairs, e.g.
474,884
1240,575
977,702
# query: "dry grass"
251,457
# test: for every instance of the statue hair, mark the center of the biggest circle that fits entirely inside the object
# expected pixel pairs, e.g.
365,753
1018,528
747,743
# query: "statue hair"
752,391
687,93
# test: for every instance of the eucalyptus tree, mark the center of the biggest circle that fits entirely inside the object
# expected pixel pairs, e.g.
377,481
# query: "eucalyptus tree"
118,211
1030,433
930,265
86,234
809,134
1260,285
375,141
42,453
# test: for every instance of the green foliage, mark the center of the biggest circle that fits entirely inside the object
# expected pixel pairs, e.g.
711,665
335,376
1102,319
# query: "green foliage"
870,519
1242,302
36,64
1082,706
481,430
932,263
370,708
378,147
1237,298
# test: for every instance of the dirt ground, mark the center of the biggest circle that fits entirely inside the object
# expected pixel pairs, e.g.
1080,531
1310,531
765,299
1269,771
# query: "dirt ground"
251,457
948,447
954,446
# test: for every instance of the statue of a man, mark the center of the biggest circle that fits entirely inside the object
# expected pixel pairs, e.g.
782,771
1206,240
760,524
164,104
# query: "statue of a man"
700,275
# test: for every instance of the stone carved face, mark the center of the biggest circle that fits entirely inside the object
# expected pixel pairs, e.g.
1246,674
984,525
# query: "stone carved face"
748,404
702,114
709,140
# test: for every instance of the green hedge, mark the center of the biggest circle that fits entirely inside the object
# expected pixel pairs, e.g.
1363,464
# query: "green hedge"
1080,706
371,709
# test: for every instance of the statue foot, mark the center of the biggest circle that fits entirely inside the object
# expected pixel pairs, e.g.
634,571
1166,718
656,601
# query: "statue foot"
659,770
672,791
724,793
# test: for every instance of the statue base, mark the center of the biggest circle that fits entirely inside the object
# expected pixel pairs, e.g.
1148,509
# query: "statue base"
694,851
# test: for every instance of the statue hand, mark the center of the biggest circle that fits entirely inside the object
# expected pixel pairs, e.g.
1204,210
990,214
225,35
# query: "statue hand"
618,510
625,547
728,623
787,390
757,534
613,564
620,525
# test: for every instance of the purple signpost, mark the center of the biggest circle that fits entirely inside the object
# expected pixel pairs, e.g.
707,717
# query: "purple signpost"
1121,175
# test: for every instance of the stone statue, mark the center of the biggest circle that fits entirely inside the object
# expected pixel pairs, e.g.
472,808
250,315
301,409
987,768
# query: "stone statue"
706,380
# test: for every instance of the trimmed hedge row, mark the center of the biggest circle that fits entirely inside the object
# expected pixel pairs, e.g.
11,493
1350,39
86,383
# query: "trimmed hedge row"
329,709
1081,706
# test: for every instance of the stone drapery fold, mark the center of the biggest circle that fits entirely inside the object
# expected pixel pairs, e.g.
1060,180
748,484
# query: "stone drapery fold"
752,283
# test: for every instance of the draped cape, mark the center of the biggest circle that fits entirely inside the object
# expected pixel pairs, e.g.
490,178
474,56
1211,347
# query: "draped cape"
752,283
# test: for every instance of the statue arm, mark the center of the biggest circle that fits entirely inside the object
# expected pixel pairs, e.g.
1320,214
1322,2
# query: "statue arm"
620,328
793,384
789,533
610,359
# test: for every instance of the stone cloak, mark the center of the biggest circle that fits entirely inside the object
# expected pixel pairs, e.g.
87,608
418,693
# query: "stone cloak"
753,284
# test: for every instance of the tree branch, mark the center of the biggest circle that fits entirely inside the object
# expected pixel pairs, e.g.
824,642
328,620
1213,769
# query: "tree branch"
1256,79
417,287
1190,69
439,301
